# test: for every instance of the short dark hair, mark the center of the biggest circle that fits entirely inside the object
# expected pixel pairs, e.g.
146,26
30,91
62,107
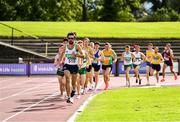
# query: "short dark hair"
137,46
98,43
127,46
60,45
70,34
65,39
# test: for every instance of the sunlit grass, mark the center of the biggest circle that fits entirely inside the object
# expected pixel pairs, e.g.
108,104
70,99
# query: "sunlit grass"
96,29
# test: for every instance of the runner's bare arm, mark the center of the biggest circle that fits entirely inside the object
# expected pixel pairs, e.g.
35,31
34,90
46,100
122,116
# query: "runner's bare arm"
143,57
162,59
133,57
171,55
55,61
88,60
115,57
102,56
80,53
79,62
91,53
122,57
61,59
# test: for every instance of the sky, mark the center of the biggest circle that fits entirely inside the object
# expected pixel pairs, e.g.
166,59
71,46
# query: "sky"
147,5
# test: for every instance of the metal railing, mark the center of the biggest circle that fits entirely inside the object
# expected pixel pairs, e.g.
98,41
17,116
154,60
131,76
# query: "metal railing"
28,34
12,32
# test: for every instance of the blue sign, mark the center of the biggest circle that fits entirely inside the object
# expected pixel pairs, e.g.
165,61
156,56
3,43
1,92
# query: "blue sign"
13,69
46,69
50,69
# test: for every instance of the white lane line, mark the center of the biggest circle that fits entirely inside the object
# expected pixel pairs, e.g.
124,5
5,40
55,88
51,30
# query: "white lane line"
10,117
84,104
19,93
39,90
19,83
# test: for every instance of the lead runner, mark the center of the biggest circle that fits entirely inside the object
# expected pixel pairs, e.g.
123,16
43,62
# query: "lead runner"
71,51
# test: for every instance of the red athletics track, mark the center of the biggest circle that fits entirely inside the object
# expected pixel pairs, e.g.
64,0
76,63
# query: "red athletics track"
37,98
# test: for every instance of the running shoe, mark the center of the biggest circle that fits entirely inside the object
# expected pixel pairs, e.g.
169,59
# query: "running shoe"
140,81
82,90
85,90
71,100
175,77
68,100
78,97
136,80
163,80
73,93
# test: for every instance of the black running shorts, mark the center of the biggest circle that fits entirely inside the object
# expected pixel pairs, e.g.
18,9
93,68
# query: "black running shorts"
156,67
73,69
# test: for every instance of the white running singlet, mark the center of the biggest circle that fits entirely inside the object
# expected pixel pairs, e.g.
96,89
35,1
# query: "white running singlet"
138,58
69,59
127,58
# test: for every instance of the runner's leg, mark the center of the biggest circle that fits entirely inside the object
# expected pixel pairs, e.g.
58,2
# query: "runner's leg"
127,76
147,74
175,75
68,85
163,72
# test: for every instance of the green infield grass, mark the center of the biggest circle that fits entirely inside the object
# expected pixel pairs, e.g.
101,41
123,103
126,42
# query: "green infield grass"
134,104
95,29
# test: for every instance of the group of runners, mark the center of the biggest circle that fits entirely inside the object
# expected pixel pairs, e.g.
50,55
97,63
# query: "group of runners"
79,63
152,58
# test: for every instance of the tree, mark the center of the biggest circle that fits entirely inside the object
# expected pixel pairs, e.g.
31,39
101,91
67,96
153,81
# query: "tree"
174,4
7,12
87,10
157,4
44,10
119,10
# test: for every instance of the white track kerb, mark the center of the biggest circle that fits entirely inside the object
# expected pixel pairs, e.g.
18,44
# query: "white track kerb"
82,107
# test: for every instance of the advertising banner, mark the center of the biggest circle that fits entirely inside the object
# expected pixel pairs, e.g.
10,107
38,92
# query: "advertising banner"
13,69
46,69
50,69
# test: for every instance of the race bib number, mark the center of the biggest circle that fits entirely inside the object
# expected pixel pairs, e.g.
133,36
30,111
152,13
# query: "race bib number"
156,58
138,59
70,58
128,59
166,57
107,58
